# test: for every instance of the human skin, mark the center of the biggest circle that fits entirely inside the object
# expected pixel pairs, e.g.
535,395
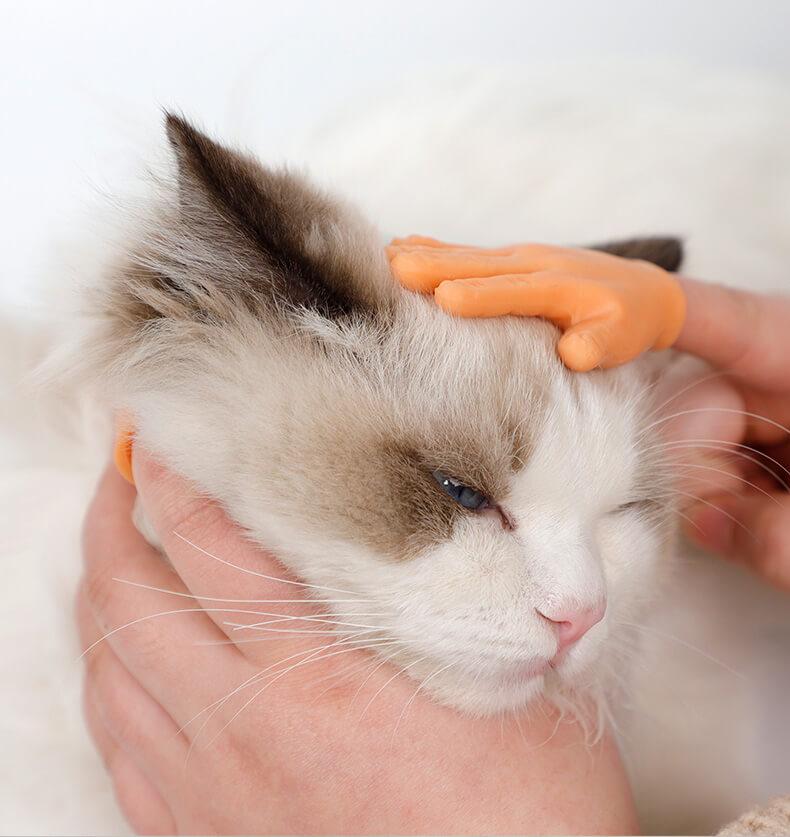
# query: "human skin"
747,338
312,754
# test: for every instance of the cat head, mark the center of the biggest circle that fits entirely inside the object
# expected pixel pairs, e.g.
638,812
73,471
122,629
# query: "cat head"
495,515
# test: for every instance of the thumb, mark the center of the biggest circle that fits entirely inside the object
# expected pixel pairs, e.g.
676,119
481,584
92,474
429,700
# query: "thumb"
752,528
743,333
589,344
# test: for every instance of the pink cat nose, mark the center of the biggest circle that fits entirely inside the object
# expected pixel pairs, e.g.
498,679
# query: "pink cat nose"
573,623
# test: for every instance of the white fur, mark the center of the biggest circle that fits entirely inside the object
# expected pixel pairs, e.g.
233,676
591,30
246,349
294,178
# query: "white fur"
624,153
471,606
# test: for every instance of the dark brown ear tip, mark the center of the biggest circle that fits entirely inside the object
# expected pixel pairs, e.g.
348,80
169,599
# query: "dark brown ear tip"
179,131
669,253
665,251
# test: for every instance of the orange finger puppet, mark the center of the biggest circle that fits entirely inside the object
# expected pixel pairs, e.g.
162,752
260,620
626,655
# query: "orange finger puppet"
122,452
611,309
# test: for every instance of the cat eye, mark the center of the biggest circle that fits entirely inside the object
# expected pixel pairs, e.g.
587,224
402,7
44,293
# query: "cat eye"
464,495
633,505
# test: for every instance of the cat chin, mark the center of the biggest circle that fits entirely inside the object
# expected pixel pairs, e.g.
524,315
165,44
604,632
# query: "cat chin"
562,684
481,699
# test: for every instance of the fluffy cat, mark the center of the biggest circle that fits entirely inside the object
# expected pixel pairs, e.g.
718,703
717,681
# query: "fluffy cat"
504,518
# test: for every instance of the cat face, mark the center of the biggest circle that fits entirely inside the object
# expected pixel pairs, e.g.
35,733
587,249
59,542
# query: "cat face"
495,515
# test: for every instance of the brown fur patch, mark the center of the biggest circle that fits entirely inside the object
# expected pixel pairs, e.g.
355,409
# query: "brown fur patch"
274,213
666,252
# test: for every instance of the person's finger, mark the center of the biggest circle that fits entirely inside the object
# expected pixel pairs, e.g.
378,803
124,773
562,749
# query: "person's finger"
752,528
742,333
100,735
767,416
136,720
699,422
164,639
140,802
274,617
138,796
706,409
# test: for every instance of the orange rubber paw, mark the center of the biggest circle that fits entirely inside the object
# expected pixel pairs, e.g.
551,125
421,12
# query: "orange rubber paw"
610,309
122,452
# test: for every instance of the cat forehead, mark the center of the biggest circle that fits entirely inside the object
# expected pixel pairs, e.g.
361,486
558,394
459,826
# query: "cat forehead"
479,370
495,388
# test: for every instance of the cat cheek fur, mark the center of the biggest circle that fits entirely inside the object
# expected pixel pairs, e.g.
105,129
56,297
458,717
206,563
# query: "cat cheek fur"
254,332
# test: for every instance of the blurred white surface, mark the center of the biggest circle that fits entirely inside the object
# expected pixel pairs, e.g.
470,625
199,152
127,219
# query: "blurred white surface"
81,83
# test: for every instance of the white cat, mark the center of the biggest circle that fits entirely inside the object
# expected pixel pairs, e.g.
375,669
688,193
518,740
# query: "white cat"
500,520
512,165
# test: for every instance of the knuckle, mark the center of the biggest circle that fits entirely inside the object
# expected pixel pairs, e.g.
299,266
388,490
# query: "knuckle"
97,587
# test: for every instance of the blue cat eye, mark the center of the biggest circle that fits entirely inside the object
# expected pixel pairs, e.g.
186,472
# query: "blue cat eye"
469,498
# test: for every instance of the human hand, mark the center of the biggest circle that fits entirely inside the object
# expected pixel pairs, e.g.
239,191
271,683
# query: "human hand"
747,337
610,309
331,742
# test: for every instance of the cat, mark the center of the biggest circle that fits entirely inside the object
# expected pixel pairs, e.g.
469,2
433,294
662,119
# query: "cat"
504,517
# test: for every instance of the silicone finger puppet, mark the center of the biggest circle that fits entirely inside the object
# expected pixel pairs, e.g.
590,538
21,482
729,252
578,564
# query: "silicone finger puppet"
611,309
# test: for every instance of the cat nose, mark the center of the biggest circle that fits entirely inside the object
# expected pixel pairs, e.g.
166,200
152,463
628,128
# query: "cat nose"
573,623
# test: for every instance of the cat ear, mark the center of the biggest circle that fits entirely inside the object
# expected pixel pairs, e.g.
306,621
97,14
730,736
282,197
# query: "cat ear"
244,234
665,252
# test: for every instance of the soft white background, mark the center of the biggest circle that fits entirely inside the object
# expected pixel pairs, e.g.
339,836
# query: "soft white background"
81,88
81,83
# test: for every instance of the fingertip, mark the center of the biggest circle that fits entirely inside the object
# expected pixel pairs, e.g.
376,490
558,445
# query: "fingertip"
458,297
171,502
580,351
414,272
110,507
145,469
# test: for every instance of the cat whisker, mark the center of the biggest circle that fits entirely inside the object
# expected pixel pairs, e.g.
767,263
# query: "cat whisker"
733,449
381,663
278,638
704,379
242,685
729,410
311,655
740,479
257,574
151,616
298,631
712,505
662,635
354,668
199,597
400,671
259,674
320,618
420,687
278,677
